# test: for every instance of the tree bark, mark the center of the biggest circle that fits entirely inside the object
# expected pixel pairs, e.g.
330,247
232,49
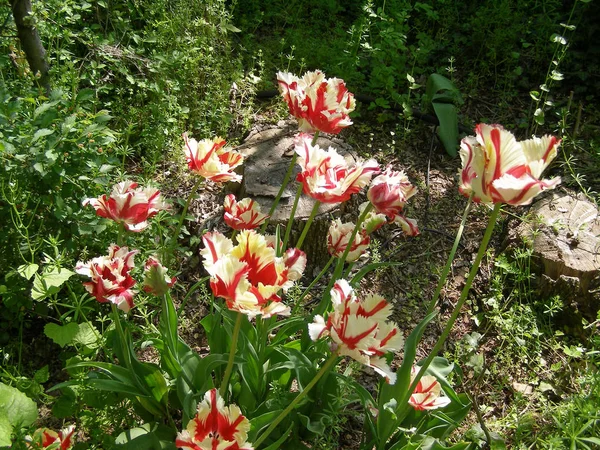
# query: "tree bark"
31,42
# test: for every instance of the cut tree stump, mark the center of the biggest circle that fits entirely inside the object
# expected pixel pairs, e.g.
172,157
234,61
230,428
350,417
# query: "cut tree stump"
565,233
268,153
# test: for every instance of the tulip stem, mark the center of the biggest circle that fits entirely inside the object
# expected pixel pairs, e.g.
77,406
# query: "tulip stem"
307,225
234,339
324,304
181,219
403,403
288,228
444,276
324,369
312,284
284,184
121,235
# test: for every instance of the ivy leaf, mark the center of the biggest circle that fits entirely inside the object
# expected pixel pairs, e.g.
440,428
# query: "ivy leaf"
61,335
16,410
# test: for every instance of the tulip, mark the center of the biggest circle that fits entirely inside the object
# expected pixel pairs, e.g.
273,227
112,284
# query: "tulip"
156,280
215,426
338,237
427,394
111,281
129,205
210,159
326,175
250,275
45,437
319,104
243,215
499,169
360,328
389,193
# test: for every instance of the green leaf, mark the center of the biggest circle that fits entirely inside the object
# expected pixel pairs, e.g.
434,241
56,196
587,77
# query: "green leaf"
448,129
27,270
386,423
61,335
369,268
49,283
41,375
5,431
41,133
16,411
87,335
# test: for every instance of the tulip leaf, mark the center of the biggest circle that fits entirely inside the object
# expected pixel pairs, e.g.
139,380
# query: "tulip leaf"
386,422
16,411
444,96
277,444
448,129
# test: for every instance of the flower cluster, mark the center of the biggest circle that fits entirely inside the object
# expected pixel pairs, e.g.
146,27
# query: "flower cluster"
129,205
499,169
215,427
250,275
326,175
318,103
360,328
47,438
210,159
427,393
243,215
111,281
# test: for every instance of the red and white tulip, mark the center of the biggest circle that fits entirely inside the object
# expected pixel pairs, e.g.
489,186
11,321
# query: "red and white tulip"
243,215
45,437
111,281
319,104
249,275
326,176
338,237
210,159
389,193
215,427
129,205
427,394
499,169
156,280
360,328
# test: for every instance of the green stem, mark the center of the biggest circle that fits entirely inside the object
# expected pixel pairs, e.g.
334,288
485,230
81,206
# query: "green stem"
448,266
403,409
121,333
288,228
121,235
284,184
234,338
324,304
233,235
307,225
312,284
181,219
328,364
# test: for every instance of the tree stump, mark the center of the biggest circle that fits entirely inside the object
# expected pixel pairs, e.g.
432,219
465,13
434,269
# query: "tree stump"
566,243
268,153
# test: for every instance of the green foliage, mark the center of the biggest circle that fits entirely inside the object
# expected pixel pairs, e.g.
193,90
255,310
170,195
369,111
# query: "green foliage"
444,96
16,411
